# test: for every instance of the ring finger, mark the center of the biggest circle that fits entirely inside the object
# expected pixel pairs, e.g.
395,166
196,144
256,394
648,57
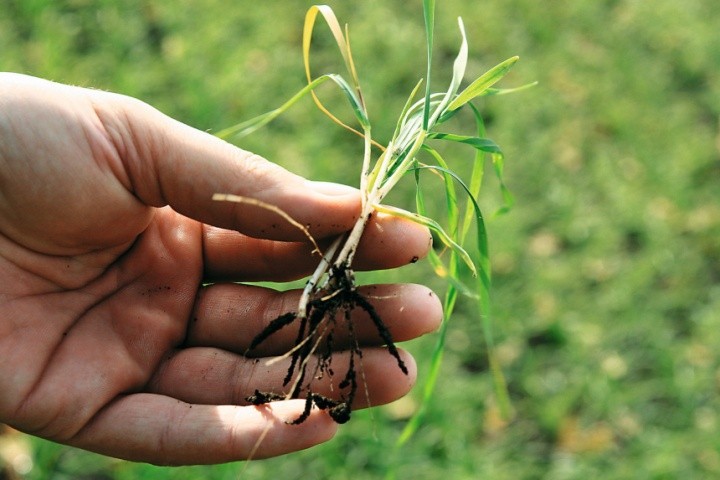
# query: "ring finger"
230,316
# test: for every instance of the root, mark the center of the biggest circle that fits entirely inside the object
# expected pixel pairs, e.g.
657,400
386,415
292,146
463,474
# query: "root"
315,339
274,326
382,329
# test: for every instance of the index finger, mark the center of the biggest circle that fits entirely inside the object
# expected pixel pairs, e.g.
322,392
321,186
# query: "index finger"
388,242
170,163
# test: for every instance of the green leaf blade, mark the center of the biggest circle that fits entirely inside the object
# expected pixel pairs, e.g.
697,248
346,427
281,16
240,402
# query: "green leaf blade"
485,81
483,144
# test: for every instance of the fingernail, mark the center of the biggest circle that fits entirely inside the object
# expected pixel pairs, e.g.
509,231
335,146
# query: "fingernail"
332,189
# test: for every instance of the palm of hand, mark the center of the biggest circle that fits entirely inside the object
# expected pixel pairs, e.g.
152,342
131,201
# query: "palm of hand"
93,342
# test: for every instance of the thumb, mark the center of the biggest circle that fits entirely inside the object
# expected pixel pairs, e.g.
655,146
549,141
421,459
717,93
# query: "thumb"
169,163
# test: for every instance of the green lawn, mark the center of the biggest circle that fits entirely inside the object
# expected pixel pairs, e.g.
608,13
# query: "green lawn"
606,272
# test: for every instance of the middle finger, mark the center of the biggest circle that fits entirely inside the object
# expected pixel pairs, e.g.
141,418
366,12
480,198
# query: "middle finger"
230,316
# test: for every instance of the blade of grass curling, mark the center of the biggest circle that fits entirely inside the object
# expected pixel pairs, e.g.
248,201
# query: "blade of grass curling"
433,257
484,280
337,32
452,214
353,93
483,261
429,16
355,97
343,46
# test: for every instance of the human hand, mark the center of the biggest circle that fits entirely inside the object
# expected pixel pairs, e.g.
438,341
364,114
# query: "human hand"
109,341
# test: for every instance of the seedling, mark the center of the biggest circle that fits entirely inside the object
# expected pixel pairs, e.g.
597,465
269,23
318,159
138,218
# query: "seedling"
330,293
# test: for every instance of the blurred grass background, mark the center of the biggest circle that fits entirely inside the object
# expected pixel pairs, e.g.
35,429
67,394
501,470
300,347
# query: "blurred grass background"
607,271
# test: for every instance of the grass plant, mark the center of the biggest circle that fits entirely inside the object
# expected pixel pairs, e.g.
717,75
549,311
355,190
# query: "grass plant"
330,293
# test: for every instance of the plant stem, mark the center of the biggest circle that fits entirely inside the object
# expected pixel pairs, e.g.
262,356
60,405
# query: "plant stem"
375,186
312,283
345,257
